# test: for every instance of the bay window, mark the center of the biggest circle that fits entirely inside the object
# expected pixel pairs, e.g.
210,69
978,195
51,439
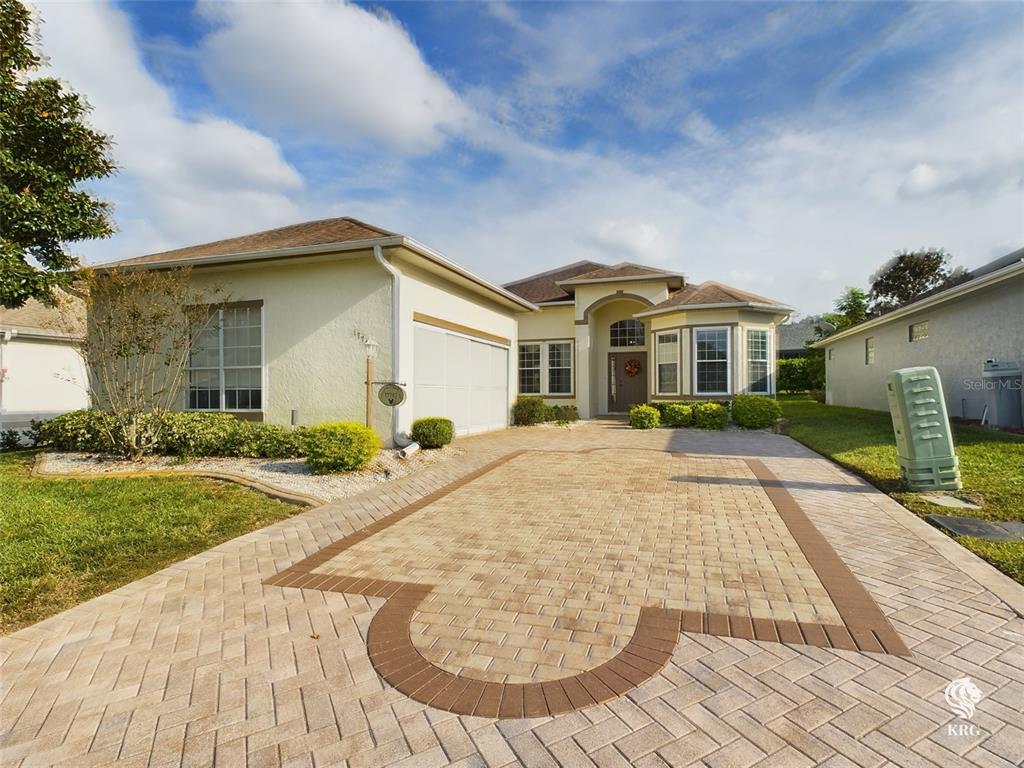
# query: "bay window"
757,361
711,361
667,352
225,367
546,368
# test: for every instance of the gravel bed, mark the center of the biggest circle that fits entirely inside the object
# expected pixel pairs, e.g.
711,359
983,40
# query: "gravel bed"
289,474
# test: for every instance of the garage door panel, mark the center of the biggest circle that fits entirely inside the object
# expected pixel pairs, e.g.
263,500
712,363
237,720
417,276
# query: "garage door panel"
460,378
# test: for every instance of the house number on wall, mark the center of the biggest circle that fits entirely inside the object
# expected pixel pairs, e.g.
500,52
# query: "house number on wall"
391,394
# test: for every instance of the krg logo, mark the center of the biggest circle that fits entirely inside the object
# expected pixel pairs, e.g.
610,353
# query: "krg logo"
962,695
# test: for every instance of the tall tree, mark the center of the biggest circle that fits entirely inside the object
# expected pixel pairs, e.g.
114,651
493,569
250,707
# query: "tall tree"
46,150
850,308
908,275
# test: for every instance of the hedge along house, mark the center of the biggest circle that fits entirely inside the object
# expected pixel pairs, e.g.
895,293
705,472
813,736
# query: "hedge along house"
608,337
307,303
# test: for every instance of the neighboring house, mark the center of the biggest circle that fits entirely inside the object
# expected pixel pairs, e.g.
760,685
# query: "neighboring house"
308,303
607,337
794,337
955,330
41,371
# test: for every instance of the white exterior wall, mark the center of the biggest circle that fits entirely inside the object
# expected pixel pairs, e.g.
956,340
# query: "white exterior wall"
962,334
428,293
44,378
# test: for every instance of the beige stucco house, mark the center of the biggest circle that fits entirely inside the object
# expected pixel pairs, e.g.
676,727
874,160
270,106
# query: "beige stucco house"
606,337
955,330
42,373
308,303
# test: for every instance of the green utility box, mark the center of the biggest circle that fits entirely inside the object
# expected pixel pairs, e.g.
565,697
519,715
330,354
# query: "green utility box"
923,438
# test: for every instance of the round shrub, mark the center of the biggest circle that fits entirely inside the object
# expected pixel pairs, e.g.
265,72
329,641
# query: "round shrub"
432,431
755,411
710,415
84,431
564,413
643,417
529,409
342,446
677,415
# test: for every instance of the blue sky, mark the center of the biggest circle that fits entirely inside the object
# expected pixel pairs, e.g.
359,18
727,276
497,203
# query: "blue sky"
783,148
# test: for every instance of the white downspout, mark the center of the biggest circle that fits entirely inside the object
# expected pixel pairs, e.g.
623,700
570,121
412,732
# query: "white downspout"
396,316
5,336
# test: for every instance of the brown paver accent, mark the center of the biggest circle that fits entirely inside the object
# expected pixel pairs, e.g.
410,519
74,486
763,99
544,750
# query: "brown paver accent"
399,662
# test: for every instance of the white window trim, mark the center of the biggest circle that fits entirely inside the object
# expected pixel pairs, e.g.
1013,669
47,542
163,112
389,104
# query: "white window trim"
678,363
220,369
768,361
544,366
728,358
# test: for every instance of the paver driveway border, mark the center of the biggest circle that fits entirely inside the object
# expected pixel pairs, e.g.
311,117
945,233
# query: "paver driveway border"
399,663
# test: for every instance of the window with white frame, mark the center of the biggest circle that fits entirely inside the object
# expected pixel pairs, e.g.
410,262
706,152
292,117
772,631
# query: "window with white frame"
869,350
757,361
529,369
225,370
919,331
667,352
545,368
711,361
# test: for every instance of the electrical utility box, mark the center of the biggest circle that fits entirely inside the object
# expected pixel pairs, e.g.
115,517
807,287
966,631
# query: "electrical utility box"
923,437
1002,380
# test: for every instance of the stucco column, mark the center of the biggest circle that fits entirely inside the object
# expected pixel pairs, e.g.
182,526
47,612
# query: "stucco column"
583,370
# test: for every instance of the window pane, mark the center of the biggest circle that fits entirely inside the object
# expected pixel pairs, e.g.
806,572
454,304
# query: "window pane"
559,381
559,368
230,344
668,378
712,344
757,360
529,381
712,353
204,389
627,333
919,331
559,356
668,347
712,377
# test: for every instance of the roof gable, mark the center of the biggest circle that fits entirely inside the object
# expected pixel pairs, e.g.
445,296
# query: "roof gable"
543,287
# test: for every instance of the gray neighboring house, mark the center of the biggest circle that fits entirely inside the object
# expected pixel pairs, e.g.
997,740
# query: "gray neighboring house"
794,337
955,330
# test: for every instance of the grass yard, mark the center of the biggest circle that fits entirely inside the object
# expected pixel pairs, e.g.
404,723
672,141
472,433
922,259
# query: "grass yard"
65,541
991,465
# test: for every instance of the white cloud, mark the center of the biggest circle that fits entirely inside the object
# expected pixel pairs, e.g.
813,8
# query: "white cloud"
333,73
698,127
180,181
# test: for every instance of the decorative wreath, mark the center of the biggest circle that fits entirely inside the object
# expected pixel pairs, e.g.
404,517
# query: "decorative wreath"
632,368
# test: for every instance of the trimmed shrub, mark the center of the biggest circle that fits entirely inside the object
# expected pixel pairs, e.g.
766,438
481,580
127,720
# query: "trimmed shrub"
818,394
564,413
793,375
194,433
659,406
677,415
710,415
10,440
81,431
263,441
433,431
755,411
644,417
342,446
529,409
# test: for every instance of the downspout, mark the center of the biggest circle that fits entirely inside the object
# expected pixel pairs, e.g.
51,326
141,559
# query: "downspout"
396,316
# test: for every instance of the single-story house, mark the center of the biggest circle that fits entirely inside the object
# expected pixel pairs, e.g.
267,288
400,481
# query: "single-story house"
42,373
955,330
307,303
794,337
606,337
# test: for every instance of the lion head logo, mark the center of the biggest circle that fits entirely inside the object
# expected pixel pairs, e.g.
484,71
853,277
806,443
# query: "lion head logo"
962,695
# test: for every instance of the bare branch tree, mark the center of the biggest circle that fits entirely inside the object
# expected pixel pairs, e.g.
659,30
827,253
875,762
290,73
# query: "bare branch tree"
142,327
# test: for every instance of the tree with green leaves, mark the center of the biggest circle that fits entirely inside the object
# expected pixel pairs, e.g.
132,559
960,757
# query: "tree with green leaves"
908,275
850,308
46,150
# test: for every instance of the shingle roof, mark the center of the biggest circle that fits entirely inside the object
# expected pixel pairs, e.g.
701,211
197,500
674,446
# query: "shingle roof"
322,232
67,317
710,292
542,287
794,336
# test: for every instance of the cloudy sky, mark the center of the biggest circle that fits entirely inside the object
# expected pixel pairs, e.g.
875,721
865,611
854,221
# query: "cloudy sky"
787,149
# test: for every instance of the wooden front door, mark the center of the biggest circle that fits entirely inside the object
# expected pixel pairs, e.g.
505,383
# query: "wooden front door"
627,380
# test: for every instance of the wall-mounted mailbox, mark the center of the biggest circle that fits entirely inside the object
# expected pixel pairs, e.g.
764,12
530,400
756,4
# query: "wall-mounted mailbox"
924,440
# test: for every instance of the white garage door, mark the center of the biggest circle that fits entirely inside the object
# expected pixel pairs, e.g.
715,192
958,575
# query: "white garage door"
463,379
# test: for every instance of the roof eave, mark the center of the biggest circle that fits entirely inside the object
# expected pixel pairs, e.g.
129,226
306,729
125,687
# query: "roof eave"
781,308
951,293
623,279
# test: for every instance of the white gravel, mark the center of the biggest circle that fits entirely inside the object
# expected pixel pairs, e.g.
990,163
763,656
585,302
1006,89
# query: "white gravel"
288,474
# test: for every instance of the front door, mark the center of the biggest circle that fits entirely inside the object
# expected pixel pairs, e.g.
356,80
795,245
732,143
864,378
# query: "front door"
627,380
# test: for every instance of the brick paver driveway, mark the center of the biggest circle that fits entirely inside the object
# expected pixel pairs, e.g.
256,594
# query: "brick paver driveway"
584,596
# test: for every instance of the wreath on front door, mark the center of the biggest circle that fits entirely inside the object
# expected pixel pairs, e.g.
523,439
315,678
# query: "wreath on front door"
632,368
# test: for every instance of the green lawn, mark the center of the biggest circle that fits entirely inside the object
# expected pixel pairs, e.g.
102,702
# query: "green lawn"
991,465
65,541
